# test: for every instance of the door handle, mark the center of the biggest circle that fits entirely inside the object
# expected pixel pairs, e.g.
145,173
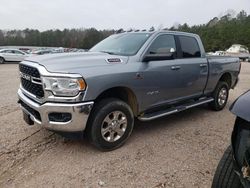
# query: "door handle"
203,65
175,67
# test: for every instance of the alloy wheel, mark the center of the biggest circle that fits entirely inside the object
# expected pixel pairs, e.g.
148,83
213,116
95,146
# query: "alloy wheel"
114,126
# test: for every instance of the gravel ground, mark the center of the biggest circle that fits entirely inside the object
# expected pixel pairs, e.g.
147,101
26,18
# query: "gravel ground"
181,150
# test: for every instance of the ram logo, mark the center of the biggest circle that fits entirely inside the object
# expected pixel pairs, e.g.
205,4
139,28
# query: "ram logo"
25,76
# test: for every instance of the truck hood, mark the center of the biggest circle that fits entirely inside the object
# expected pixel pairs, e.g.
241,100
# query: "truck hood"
71,62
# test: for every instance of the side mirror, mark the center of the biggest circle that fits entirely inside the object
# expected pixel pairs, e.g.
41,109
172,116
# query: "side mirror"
163,55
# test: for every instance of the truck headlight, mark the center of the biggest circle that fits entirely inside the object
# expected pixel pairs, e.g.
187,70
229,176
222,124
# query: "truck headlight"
64,86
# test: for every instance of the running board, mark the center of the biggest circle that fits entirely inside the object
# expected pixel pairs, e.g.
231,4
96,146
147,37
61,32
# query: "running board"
173,110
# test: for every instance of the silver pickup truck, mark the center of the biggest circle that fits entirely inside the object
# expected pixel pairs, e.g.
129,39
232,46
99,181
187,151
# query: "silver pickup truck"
143,75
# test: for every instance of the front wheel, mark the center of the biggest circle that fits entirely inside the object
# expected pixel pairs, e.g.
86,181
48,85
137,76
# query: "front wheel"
220,96
110,124
224,176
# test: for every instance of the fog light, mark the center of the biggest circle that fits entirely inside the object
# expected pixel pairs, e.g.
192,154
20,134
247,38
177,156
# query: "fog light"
60,117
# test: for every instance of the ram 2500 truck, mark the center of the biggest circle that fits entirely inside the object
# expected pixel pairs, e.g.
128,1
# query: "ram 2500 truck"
143,75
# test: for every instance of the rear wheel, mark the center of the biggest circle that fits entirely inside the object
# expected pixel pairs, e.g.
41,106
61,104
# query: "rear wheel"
2,60
220,96
110,124
224,176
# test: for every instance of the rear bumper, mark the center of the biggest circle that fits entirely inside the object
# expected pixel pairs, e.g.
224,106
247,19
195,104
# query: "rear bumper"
79,114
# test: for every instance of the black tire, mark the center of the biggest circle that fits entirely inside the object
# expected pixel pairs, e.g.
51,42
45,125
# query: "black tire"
224,176
96,122
216,105
2,60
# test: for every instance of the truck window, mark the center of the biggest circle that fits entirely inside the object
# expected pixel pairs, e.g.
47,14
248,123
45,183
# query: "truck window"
190,47
126,44
162,45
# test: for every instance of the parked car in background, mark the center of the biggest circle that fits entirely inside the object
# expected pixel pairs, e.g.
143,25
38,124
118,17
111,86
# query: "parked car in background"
12,55
59,50
233,170
143,75
240,51
41,52
221,53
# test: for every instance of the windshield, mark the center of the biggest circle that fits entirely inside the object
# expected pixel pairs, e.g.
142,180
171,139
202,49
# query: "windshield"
126,44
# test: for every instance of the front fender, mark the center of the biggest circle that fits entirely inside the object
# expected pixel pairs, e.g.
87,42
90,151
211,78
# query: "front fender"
241,106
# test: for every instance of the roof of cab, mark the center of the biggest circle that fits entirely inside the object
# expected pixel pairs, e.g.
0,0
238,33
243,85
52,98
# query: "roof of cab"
160,31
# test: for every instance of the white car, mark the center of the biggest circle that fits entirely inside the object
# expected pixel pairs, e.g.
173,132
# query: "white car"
240,51
221,53
12,55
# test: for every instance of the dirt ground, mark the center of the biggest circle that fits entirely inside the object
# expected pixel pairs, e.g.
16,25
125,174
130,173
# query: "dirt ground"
181,150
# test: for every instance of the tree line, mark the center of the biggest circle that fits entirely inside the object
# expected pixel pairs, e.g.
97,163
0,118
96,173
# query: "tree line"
217,34
221,33
69,38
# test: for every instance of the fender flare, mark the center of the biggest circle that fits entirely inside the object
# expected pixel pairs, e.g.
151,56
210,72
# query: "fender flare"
241,106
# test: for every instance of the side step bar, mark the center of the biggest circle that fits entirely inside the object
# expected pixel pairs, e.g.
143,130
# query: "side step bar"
159,114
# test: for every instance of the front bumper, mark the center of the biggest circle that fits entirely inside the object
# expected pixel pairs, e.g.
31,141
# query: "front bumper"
241,147
79,113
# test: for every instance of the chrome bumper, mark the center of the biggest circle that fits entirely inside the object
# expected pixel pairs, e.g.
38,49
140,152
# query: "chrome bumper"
79,112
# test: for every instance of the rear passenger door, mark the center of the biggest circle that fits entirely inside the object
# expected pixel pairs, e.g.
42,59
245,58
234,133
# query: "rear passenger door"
193,67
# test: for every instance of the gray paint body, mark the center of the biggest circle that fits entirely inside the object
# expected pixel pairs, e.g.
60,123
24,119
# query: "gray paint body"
158,85
241,106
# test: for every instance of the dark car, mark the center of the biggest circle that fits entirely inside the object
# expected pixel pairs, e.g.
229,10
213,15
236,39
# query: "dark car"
234,168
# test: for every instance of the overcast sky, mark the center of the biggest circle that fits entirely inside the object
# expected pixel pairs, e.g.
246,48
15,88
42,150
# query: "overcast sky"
109,14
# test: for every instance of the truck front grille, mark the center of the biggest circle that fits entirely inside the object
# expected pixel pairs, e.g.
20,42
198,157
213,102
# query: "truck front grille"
34,88
29,70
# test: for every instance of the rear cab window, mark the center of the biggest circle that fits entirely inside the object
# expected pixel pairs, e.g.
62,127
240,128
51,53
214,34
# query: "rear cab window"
189,47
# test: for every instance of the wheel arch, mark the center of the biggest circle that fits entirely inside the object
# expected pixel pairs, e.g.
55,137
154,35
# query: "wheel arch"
2,57
123,93
226,77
